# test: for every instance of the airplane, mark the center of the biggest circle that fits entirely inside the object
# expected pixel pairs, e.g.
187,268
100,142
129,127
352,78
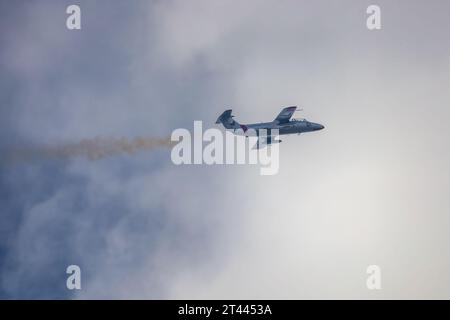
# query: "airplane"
282,122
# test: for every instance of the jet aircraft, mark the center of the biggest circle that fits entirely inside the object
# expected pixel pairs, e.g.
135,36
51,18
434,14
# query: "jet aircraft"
283,123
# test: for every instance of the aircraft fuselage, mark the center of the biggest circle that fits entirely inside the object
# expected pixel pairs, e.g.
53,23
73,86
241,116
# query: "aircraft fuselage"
291,127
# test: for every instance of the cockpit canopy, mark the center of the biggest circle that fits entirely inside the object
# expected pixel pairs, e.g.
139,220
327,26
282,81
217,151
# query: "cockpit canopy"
301,120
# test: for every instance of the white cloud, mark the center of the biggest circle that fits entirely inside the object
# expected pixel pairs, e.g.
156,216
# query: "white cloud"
369,189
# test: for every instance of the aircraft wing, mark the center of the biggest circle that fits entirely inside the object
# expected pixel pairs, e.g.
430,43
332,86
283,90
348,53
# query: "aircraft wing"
285,115
262,142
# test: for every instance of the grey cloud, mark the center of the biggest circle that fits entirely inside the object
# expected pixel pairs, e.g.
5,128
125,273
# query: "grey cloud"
370,189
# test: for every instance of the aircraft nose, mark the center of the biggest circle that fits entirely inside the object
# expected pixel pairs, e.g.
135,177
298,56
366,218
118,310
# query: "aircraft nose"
319,126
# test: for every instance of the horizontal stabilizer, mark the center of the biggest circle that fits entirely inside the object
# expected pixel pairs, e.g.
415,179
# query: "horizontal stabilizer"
227,120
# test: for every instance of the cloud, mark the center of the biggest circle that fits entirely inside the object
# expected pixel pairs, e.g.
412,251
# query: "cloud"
369,189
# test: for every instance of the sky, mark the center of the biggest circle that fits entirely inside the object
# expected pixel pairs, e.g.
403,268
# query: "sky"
369,189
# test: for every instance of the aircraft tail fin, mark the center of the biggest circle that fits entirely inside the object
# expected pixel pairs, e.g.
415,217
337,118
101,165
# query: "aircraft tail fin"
227,120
